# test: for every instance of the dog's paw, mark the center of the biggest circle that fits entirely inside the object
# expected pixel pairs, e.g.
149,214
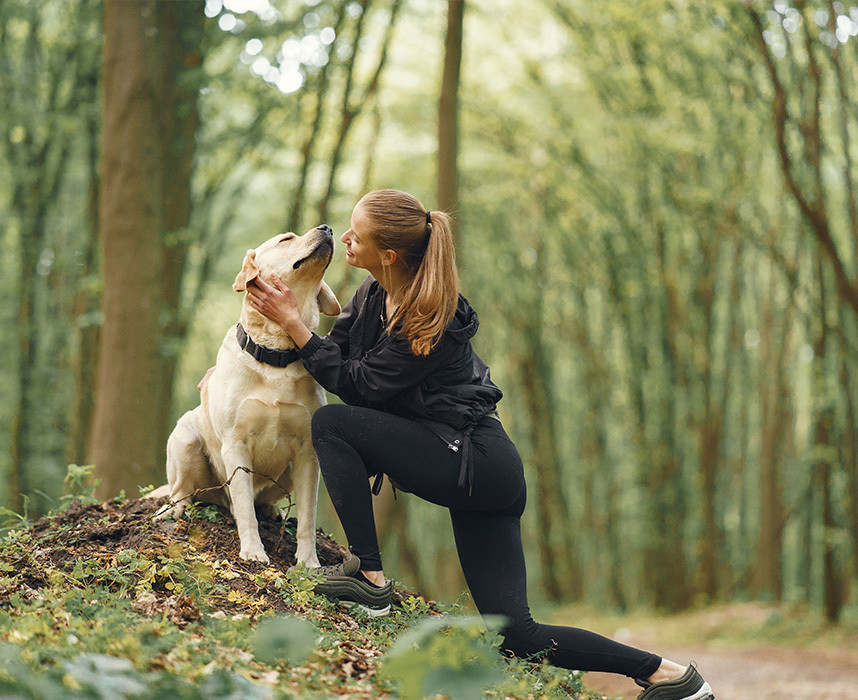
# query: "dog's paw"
170,511
312,563
307,555
254,553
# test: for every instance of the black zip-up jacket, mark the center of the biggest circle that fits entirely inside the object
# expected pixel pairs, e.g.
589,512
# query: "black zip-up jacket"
449,390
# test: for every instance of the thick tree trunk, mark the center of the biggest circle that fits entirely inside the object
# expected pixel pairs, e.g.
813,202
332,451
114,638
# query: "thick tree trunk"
448,111
125,445
180,33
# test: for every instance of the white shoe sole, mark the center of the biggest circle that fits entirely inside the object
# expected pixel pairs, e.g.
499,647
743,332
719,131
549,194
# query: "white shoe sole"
705,693
372,612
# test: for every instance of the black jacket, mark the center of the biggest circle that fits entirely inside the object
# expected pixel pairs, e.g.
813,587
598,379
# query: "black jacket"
449,390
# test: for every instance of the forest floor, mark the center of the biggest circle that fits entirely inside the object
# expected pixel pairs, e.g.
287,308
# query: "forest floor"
168,608
102,601
745,651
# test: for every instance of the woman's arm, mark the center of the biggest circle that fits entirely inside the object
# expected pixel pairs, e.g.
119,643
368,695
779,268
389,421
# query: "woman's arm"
372,379
376,376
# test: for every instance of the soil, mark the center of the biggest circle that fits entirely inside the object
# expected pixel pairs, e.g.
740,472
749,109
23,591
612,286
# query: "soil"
97,532
753,673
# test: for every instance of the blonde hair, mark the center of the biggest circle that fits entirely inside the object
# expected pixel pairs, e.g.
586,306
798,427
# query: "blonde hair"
424,243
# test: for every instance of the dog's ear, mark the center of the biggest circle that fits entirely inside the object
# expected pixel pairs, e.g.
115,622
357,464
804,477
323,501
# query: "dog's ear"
328,303
249,272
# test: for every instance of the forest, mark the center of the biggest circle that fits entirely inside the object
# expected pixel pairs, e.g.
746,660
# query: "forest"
656,221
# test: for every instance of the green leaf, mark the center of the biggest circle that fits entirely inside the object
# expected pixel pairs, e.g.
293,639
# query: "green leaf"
285,639
107,676
448,655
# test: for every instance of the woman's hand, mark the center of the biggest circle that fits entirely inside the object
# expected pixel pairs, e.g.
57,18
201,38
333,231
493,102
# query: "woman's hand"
276,301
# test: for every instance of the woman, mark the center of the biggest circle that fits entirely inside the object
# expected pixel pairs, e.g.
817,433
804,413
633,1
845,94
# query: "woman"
420,408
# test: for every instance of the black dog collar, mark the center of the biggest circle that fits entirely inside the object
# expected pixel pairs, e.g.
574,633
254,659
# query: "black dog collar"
270,356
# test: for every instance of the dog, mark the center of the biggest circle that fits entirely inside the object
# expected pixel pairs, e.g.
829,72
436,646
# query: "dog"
255,415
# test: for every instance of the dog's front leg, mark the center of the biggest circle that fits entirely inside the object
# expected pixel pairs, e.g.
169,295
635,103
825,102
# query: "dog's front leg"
241,503
305,487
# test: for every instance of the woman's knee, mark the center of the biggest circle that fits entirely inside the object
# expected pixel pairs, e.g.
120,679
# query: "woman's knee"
325,421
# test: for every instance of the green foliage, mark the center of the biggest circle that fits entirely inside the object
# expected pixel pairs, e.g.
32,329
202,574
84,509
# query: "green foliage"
202,511
284,639
297,587
102,677
12,520
80,486
445,655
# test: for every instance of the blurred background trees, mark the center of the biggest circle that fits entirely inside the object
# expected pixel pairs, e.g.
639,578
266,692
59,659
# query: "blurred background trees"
657,223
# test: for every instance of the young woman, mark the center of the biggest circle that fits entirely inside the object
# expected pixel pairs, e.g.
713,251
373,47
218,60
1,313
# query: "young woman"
420,408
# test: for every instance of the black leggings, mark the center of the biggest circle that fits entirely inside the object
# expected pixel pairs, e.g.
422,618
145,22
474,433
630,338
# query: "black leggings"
354,443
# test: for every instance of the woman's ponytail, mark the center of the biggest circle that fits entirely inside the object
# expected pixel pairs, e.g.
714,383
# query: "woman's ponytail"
424,242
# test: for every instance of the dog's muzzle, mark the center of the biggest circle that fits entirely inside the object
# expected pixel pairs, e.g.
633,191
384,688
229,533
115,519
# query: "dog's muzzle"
324,248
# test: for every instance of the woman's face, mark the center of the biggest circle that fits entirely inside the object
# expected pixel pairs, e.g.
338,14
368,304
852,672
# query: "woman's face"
361,250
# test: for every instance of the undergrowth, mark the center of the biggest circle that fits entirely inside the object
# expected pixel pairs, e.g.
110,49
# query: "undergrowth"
100,601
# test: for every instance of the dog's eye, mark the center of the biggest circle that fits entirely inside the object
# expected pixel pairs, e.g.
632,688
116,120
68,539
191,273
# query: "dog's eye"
287,237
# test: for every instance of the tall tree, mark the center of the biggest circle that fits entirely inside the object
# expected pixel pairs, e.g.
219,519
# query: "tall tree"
448,111
180,27
47,80
126,443
798,93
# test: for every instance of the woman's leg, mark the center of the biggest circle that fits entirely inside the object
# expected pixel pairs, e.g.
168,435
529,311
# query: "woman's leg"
492,558
354,443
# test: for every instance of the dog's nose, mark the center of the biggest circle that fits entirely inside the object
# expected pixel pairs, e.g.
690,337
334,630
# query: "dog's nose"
324,228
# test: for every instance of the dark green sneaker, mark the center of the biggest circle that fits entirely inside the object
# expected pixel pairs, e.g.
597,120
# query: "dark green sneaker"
690,686
340,582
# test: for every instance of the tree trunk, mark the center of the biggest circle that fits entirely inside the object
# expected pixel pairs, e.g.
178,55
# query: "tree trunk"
85,312
558,573
448,112
180,33
831,585
850,443
774,418
125,445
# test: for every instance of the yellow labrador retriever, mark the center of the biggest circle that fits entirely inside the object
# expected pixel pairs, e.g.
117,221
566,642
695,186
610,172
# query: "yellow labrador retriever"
255,408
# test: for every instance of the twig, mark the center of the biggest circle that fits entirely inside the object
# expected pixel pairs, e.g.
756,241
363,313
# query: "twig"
171,502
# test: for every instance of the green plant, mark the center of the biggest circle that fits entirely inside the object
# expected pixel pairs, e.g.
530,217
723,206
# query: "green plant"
297,586
202,511
80,486
12,520
453,656
284,639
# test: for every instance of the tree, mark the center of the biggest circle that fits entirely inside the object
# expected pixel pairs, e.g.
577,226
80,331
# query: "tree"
448,111
48,78
140,164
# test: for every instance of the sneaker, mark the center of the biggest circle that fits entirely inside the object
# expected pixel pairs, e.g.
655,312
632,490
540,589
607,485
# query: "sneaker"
690,686
340,582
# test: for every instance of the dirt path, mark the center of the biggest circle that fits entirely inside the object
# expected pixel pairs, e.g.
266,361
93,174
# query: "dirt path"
755,673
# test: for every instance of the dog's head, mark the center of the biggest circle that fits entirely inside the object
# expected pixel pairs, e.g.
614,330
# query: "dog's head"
300,262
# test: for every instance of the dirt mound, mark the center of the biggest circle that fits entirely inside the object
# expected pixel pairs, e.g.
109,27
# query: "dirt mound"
119,543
